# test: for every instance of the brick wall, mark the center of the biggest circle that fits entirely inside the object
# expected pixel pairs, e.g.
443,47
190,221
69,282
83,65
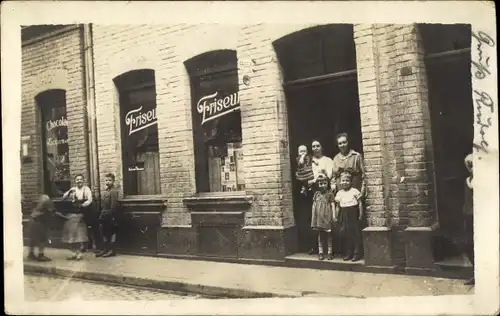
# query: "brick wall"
53,63
392,77
118,49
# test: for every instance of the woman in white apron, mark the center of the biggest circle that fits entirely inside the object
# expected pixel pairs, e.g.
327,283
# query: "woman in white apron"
75,229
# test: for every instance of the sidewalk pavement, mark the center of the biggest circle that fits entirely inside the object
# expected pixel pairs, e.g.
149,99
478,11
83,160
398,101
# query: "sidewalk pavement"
236,280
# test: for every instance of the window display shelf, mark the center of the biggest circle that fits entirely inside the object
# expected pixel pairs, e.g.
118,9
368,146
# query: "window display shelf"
219,200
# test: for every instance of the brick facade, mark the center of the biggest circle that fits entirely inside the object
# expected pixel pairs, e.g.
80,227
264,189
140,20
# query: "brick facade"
55,62
395,124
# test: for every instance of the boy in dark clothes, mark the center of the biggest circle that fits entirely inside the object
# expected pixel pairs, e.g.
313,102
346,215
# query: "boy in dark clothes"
37,228
107,219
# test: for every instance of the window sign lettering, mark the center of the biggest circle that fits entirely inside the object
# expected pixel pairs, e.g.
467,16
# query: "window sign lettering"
213,106
56,123
136,168
137,119
55,138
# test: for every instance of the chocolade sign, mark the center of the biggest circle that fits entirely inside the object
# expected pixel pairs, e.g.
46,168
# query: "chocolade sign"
54,128
138,119
213,106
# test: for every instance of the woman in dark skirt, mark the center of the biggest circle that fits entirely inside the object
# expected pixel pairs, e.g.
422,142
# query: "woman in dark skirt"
75,229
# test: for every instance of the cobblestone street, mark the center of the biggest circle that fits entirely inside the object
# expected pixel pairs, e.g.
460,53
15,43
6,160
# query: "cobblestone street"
37,287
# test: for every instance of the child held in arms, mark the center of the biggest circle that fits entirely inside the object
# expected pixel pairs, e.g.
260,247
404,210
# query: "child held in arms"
304,171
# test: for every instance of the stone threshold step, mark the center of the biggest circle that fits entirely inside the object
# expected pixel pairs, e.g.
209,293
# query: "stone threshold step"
165,285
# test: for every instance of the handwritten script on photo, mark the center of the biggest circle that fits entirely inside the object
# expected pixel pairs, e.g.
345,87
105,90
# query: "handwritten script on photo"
483,47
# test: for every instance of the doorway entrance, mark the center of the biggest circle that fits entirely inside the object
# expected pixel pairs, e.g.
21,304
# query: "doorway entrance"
448,63
321,90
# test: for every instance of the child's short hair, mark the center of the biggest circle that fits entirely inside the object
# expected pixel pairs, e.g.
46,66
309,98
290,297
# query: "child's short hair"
300,146
44,201
79,175
110,175
346,174
322,177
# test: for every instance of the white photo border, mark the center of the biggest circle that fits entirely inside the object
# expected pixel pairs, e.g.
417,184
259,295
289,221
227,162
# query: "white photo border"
480,14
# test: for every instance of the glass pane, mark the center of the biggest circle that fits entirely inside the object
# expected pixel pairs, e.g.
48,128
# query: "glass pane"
140,141
217,126
55,134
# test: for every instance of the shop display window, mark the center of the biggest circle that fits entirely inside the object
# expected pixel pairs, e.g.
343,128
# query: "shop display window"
216,122
55,145
139,132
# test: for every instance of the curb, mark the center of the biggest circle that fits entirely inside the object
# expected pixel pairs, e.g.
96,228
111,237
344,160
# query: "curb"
171,286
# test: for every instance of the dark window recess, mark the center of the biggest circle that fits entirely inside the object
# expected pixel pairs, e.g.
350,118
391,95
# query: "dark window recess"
55,145
216,121
452,115
440,38
139,133
317,51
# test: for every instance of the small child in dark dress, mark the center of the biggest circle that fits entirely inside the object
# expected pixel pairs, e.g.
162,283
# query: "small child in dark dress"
322,215
304,171
349,211
37,228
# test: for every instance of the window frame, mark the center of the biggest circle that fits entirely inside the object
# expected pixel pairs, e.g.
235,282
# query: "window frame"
198,69
40,100
124,88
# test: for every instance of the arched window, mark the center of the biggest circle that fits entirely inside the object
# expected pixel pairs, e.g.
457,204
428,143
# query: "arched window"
216,121
139,132
56,172
317,52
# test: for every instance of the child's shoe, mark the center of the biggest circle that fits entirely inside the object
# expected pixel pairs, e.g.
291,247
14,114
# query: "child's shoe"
78,257
71,257
110,253
43,258
303,191
321,256
348,257
330,256
356,258
100,253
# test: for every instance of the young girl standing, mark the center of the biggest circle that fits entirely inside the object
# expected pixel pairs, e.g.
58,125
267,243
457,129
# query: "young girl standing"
322,215
75,229
349,210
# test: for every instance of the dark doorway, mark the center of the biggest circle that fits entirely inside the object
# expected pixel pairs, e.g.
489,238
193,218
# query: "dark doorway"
319,70
448,63
319,112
